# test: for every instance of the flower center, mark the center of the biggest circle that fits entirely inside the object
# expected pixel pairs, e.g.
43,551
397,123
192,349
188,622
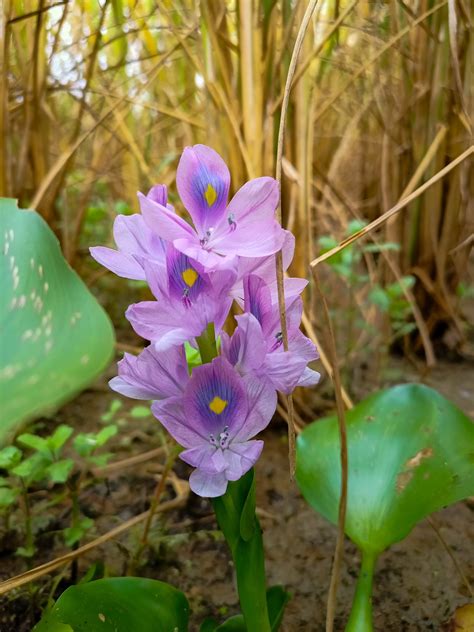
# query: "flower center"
217,405
203,241
222,439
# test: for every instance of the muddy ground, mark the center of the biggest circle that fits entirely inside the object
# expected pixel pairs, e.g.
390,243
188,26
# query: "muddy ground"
417,586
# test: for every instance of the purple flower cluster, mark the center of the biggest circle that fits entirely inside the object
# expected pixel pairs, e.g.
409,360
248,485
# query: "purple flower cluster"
195,273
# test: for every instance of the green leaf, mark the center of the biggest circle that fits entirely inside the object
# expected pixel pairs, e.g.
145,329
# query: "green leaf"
119,604
139,412
208,625
8,496
32,468
115,405
232,624
55,337
247,517
86,443
105,434
277,598
395,290
33,441
24,551
354,226
76,533
99,460
95,571
410,453
193,357
59,437
381,247
59,471
9,457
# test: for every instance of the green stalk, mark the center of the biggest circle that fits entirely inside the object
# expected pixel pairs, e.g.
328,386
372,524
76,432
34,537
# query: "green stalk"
360,619
207,344
235,512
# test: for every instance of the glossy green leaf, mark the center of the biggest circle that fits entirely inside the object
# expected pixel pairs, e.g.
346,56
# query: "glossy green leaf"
55,336
119,604
411,452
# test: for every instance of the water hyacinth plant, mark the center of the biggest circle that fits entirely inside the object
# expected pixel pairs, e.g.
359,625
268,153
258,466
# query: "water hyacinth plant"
196,273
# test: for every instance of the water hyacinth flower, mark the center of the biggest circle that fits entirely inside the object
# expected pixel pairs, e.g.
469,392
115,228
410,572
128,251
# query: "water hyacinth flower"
246,227
195,272
188,299
153,374
280,366
135,241
215,420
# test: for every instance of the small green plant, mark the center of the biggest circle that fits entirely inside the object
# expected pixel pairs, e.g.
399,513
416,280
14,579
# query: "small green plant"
42,461
393,318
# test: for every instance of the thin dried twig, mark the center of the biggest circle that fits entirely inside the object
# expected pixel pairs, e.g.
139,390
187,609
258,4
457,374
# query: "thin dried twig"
339,550
279,256
449,551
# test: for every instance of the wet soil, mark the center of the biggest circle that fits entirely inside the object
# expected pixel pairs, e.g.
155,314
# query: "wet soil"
417,586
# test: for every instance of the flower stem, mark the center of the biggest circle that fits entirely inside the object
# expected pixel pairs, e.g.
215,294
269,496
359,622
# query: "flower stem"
207,344
235,512
360,619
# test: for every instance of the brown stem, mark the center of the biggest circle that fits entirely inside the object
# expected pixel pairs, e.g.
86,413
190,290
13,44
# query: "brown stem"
279,256
339,550
156,498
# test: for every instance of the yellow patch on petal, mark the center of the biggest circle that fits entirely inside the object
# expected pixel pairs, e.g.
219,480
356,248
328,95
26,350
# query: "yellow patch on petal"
210,195
218,405
189,276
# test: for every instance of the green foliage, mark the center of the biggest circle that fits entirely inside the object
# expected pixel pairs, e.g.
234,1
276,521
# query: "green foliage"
77,532
410,453
139,412
55,337
119,604
86,444
47,463
193,356
389,299
115,406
